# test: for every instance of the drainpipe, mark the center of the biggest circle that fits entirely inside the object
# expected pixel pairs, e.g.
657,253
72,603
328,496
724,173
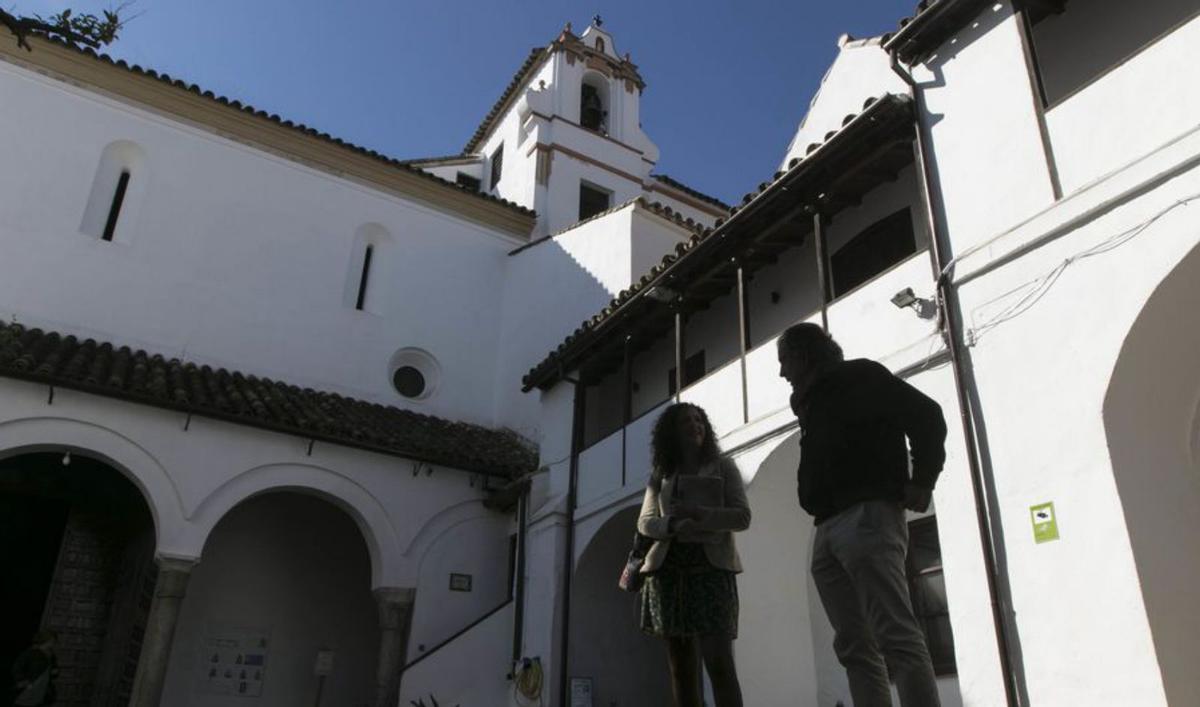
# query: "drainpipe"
949,317
522,565
569,555
822,265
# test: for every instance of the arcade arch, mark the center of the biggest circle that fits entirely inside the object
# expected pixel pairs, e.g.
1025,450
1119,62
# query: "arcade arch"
1150,419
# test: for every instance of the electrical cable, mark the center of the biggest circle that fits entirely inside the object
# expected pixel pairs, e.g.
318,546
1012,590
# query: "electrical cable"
527,682
1030,293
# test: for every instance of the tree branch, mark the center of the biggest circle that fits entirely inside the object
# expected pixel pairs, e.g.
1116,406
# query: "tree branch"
88,30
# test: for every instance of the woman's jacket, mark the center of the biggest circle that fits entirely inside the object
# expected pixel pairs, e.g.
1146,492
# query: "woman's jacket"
714,530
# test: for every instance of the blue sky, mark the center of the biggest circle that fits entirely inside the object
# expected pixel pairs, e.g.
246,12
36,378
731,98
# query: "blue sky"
727,81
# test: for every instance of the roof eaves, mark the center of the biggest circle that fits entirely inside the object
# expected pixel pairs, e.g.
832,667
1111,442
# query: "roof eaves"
101,368
445,159
536,55
565,353
933,22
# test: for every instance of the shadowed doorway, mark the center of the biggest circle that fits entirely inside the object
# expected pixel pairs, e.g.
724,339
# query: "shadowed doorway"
78,545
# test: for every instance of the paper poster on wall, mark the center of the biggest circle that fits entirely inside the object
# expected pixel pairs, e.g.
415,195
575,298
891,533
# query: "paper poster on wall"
234,661
581,692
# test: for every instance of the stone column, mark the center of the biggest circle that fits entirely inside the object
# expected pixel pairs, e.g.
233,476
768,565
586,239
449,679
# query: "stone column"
395,620
173,576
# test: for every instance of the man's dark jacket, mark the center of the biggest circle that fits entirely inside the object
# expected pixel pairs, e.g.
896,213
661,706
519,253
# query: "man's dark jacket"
855,418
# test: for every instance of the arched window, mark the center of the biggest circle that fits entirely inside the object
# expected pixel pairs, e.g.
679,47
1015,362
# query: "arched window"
116,192
600,44
593,104
361,299
362,282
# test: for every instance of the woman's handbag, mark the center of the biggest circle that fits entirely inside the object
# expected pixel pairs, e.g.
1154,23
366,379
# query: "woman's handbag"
631,576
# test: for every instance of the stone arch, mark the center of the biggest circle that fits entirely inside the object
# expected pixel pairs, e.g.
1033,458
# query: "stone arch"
1150,421
379,534
626,666
288,568
440,524
133,461
595,102
464,538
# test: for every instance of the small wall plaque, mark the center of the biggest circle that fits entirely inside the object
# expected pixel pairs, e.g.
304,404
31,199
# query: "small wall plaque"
460,582
1045,524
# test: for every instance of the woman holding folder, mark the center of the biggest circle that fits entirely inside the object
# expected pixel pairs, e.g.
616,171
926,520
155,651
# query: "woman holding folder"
694,503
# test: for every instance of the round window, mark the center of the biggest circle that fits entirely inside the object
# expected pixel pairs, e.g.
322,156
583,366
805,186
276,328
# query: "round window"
409,381
415,374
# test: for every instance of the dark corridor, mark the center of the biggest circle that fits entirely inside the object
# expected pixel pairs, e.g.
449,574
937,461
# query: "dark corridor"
77,543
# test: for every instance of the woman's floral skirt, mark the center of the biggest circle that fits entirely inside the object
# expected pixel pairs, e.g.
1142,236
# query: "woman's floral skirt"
687,596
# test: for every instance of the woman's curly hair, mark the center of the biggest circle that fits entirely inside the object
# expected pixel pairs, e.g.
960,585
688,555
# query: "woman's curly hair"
665,453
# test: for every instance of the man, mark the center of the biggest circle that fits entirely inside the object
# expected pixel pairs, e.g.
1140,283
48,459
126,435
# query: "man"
854,480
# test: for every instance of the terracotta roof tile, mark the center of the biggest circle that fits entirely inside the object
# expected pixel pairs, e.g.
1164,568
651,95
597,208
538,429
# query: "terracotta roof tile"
101,368
299,127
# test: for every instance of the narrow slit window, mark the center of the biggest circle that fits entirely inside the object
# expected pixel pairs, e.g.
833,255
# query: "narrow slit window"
114,211
362,282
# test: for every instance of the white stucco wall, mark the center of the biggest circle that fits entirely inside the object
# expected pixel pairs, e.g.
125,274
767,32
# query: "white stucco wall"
470,671
552,286
1152,421
988,163
472,541
1142,103
1047,439
237,258
860,71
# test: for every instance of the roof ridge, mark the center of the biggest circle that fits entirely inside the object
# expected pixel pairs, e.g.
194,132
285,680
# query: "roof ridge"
534,57
671,181
235,104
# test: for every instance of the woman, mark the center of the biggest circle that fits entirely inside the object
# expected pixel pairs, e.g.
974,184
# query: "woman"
694,503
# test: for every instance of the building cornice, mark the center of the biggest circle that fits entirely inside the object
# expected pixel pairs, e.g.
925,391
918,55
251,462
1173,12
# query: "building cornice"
230,119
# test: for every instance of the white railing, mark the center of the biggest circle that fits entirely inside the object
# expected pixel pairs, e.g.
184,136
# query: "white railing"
768,392
720,395
865,322
600,469
637,446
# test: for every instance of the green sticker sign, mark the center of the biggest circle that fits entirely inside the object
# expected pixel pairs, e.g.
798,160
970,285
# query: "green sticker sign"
1045,523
